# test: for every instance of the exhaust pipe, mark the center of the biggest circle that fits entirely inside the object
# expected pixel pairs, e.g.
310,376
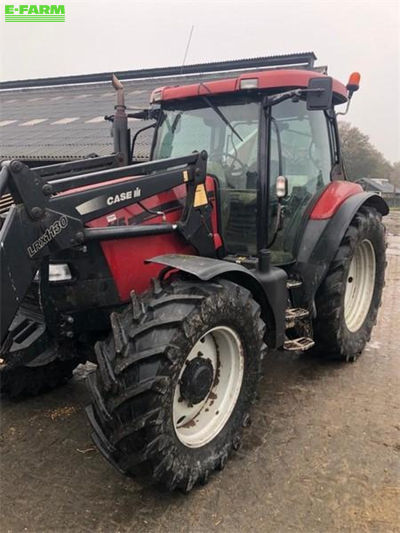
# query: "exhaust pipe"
121,133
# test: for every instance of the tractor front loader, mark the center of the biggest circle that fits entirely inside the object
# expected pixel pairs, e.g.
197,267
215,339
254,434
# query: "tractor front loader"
49,220
177,276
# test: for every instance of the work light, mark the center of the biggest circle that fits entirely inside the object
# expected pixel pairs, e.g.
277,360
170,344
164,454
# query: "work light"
249,83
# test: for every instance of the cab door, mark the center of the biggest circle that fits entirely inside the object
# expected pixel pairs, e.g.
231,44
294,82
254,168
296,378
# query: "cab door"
301,151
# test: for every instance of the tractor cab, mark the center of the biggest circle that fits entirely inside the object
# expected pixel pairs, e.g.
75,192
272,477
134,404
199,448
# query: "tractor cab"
270,151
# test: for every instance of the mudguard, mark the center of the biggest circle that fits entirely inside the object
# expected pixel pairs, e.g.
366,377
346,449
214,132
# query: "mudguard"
268,288
321,240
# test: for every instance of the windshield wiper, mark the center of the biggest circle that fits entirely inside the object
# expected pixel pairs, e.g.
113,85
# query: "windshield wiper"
221,116
176,121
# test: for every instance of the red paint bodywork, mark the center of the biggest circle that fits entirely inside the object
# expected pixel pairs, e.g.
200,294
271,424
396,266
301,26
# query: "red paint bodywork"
126,257
333,197
270,79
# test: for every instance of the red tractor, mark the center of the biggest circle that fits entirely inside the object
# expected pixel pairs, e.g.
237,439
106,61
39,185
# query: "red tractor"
177,276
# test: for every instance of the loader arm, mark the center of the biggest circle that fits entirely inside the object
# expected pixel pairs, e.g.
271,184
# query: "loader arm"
50,216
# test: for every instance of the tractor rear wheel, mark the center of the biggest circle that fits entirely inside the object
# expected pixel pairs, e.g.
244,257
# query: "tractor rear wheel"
176,379
348,301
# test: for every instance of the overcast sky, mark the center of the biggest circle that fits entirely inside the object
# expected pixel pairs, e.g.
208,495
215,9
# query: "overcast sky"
101,35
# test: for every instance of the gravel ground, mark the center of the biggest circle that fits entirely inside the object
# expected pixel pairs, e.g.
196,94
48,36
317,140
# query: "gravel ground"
322,454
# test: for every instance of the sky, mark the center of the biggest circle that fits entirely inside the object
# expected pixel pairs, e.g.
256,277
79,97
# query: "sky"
107,35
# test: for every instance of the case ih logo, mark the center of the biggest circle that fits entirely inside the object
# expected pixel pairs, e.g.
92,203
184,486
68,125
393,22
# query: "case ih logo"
34,13
103,201
50,234
128,195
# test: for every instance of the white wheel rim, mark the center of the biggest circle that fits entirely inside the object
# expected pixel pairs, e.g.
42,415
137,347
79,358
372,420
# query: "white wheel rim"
360,285
196,425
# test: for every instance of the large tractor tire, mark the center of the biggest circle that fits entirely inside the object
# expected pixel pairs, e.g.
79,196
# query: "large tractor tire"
176,380
23,381
347,303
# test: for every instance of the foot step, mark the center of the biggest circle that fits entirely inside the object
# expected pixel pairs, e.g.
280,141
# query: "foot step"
293,314
301,344
293,283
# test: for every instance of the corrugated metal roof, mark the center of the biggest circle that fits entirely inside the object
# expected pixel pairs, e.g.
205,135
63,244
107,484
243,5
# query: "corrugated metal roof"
379,185
55,138
299,60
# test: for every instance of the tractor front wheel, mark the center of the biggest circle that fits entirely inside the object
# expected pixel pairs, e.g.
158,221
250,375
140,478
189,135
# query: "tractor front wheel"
24,381
176,380
348,301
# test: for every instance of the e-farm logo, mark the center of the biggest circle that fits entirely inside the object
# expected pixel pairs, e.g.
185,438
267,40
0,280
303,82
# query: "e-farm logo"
34,13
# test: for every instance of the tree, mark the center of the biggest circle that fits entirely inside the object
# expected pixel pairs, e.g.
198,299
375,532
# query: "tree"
361,158
395,174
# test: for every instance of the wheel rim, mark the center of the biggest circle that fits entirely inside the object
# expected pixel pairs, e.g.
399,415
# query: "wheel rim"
221,350
360,285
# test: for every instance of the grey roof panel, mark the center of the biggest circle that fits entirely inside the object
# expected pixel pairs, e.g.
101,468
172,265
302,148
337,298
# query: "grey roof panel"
383,187
298,59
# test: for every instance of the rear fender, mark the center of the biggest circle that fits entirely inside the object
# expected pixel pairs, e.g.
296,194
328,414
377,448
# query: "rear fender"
269,290
322,238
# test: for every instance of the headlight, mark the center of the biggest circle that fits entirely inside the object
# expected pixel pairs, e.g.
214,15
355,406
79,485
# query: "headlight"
156,96
57,272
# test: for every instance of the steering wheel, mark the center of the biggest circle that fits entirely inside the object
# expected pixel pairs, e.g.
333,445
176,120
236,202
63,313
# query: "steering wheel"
236,169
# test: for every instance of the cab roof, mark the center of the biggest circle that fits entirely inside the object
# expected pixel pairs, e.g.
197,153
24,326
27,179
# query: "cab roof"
283,79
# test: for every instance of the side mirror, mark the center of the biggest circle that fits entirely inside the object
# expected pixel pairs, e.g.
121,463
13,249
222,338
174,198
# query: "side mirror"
319,93
282,188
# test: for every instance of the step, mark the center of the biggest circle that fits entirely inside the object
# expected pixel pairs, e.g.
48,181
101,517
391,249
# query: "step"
25,330
294,314
298,345
293,283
